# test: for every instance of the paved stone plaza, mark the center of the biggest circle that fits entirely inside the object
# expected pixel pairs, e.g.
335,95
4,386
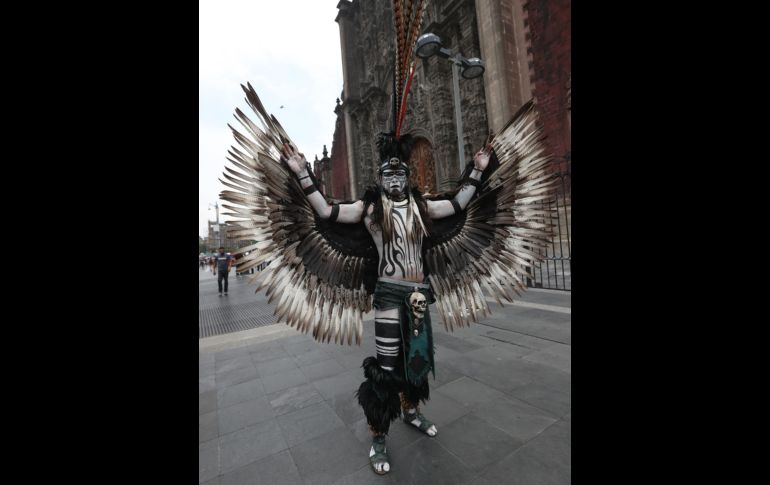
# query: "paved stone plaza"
276,407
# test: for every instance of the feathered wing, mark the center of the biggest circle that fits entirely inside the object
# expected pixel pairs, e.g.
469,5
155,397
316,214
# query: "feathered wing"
504,230
316,277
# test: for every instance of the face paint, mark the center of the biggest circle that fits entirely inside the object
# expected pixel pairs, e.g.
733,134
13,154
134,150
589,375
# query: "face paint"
394,182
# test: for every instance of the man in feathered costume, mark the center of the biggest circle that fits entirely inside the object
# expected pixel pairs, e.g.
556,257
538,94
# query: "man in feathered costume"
396,218
393,248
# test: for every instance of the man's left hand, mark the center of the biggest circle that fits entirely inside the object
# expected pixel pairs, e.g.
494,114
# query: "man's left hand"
481,159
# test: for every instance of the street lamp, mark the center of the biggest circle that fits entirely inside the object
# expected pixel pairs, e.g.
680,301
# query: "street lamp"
216,227
429,45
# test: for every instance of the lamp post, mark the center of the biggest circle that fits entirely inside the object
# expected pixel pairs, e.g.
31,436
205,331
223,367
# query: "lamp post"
217,231
429,45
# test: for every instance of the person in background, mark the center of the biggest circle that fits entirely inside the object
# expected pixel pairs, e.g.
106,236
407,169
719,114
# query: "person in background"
224,262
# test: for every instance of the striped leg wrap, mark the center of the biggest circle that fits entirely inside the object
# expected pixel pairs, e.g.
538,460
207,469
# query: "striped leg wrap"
387,332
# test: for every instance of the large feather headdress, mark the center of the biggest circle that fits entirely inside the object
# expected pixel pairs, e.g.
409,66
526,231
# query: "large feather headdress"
407,17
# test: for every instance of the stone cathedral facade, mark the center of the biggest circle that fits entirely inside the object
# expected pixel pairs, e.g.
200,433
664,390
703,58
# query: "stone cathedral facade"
525,45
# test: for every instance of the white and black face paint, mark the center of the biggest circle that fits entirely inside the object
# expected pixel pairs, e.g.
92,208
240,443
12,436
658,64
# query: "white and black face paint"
394,182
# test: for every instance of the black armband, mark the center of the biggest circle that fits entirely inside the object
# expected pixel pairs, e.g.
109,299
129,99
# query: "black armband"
456,206
335,212
474,182
303,178
309,189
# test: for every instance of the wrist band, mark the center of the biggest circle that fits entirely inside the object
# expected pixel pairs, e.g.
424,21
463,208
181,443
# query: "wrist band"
305,177
456,206
335,212
309,189
474,182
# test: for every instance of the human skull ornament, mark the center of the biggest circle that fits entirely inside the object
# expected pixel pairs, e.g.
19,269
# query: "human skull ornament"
419,304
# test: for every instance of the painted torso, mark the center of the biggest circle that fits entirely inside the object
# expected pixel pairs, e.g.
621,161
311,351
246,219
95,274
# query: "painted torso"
399,258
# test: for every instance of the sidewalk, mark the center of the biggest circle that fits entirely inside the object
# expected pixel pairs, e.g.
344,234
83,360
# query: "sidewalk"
276,407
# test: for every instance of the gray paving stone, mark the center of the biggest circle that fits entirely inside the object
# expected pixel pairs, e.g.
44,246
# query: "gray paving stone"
442,409
208,428
545,460
206,384
550,359
553,378
208,460
205,358
446,372
426,461
515,338
301,347
312,357
283,380
454,343
480,480
213,481
268,353
207,401
552,400
476,442
261,347
544,329
244,414
360,430
367,345
501,374
296,338
366,476
320,370
444,354
236,376
498,352
562,298
346,407
206,370
231,353
469,392
523,314
294,398
342,384
250,444
352,360
519,419
245,391
559,349
277,469
329,457
308,422
275,366
480,340
238,362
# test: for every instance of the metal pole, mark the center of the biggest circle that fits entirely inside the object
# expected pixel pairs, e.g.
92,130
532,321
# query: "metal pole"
458,116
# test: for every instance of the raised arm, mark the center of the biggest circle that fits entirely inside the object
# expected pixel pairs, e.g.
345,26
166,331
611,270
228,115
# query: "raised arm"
444,208
348,213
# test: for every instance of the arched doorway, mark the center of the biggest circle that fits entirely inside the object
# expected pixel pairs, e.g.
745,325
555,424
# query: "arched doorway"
423,170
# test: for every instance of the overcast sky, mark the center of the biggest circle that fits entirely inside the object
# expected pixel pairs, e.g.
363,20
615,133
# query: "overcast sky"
289,50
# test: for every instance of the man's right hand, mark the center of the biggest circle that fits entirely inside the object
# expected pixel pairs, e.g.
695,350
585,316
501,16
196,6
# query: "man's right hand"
295,160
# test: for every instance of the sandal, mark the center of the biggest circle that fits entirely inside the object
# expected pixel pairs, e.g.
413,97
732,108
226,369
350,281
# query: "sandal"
423,424
379,455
